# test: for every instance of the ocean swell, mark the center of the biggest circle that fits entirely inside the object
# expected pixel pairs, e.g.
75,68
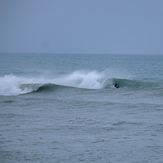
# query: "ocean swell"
17,85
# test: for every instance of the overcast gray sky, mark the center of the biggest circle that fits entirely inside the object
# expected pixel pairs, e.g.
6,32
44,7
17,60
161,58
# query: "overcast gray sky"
82,26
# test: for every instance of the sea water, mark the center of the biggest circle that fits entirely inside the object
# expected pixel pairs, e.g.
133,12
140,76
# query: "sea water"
64,108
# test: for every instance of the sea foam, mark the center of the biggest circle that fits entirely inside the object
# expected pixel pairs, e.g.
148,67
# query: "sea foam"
16,85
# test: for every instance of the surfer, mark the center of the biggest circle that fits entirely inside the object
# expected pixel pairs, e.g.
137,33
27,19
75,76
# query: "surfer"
116,85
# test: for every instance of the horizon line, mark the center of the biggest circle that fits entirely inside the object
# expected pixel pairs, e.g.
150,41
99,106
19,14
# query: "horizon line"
60,53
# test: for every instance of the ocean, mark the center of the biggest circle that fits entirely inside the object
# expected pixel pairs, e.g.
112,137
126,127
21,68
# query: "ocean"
64,108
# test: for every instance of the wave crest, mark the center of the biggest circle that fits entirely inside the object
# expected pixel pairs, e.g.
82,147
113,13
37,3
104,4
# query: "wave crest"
15,85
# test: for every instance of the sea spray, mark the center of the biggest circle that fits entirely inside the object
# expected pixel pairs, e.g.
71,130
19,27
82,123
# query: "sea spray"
15,85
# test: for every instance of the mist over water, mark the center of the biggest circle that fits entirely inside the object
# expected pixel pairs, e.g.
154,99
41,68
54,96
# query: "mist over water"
65,108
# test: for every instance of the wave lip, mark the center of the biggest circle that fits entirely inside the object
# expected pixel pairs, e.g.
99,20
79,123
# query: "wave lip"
12,85
47,87
29,87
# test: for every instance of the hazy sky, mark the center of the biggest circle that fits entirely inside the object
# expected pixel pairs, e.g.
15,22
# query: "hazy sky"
82,26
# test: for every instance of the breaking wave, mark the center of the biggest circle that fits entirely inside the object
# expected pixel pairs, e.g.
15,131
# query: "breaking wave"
17,85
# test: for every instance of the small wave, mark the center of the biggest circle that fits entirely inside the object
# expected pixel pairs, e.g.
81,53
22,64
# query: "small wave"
8,101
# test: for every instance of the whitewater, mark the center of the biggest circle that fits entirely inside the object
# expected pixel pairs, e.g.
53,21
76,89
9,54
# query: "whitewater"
15,85
65,108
